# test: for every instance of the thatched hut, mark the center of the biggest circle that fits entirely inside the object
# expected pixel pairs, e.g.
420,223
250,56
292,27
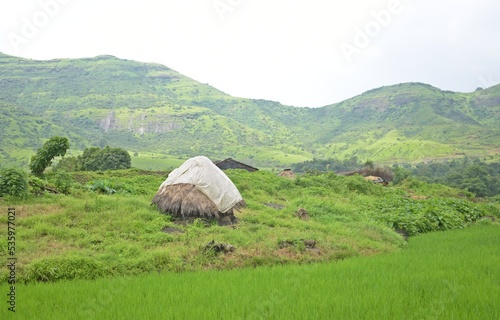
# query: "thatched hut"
287,173
198,189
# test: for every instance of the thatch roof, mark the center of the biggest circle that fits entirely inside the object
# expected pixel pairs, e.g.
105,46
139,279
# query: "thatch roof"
198,189
374,179
185,200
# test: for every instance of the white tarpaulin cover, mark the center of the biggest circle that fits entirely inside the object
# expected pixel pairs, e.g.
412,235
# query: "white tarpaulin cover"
209,179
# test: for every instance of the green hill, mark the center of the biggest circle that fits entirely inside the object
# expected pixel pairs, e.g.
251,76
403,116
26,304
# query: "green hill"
159,113
410,121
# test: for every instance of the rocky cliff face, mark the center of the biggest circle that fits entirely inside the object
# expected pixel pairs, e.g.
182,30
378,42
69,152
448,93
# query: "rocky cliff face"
140,123
107,124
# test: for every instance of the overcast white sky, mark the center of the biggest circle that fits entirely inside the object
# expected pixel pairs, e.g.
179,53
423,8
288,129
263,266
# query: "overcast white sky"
301,53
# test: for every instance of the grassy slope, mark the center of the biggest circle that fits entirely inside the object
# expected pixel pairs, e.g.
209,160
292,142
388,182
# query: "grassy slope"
122,234
446,275
87,235
151,108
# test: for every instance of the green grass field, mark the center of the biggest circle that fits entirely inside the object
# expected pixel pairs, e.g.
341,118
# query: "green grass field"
155,161
442,275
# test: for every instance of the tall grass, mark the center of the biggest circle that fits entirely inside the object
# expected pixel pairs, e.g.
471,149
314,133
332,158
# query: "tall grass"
445,275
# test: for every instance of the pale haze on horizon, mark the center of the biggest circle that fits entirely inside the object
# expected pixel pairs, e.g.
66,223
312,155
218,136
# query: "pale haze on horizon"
300,53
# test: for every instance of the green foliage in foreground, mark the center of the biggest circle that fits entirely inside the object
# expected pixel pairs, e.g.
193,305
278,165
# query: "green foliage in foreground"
424,216
106,227
13,182
444,275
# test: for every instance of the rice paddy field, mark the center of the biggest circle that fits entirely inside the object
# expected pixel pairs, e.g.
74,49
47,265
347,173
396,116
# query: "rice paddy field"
450,274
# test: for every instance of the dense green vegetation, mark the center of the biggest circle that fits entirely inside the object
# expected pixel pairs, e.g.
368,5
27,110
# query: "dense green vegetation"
481,178
54,147
97,159
471,174
13,182
145,107
325,165
101,224
445,275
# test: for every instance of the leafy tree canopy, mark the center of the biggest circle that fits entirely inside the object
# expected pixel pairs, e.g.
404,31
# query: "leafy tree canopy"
97,159
55,146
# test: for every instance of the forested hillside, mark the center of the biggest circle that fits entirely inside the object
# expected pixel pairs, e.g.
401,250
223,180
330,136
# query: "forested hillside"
150,108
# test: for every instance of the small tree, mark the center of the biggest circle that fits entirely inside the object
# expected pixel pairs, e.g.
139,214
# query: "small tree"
63,181
55,146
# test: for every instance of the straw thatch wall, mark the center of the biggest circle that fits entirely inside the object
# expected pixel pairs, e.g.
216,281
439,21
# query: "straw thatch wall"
185,200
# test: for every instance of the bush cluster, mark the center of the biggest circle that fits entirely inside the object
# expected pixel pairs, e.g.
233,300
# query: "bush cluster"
419,216
97,159
13,182
472,174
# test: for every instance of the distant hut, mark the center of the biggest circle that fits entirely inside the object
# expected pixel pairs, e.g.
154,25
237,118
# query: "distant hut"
375,175
230,163
199,189
287,173
376,179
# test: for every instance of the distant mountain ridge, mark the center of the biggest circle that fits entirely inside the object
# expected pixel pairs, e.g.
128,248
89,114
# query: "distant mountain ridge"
147,107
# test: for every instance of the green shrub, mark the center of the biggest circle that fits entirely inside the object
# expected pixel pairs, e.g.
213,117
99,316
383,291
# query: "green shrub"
37,185
360,185
419,216
13,182
105,186
63,181
101,186
492,207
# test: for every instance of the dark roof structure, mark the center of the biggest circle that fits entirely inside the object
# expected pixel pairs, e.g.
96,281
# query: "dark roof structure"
230,163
